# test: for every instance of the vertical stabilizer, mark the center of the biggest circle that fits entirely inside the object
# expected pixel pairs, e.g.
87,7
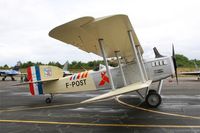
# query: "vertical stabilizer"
37,74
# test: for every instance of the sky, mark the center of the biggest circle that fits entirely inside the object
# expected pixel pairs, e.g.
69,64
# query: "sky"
25,24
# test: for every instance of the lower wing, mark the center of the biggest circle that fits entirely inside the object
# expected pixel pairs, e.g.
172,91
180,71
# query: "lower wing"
129,88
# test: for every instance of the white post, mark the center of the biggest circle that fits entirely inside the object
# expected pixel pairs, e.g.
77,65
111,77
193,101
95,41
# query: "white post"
142,62
136,55
106,63
121,70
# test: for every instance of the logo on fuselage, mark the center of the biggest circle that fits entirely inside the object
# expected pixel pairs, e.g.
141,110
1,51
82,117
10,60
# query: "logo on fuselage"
47,72
104,79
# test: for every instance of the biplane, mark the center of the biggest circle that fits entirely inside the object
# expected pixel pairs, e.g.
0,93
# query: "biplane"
108,37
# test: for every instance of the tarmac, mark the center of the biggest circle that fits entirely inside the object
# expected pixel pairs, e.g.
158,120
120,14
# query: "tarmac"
179,111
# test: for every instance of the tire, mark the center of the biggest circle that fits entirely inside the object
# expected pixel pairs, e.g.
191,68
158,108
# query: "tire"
152,91
153,99
13,79
48,100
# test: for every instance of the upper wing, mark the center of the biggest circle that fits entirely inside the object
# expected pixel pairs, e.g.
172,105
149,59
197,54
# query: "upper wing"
85,32
2,71
190,73
129,88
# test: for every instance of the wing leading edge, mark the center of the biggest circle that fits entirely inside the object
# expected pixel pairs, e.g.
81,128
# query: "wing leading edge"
129,88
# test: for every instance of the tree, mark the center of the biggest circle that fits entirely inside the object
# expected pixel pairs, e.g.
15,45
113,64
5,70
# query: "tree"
183,61
6,66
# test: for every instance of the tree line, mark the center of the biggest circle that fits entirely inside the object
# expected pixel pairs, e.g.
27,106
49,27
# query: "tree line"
72,65
182,61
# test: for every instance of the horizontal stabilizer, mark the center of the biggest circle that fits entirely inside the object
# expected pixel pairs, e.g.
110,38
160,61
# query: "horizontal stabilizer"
33,82
129,88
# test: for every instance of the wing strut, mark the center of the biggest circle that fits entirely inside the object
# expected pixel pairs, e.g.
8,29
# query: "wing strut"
120,66
142,62
106,62
136,55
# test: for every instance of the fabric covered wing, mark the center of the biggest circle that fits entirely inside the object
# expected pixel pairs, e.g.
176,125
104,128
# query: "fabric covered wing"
129,88
85,32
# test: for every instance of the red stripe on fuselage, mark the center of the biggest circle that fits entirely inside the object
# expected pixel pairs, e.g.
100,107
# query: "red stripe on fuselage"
31,87
79,75
86,74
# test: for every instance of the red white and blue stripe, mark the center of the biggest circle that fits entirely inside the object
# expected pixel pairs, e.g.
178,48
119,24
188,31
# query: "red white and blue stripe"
34,75
79,75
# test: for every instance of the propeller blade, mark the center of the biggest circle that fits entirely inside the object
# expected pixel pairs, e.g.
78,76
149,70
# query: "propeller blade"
174,61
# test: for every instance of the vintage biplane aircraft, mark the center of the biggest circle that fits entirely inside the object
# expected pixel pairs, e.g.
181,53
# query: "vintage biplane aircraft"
109,37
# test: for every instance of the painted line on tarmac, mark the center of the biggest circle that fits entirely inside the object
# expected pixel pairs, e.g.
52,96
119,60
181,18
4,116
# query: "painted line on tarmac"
154,111
40,107
98,124
51,106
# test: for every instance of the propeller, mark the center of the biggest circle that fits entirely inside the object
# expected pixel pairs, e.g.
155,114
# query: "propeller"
174,62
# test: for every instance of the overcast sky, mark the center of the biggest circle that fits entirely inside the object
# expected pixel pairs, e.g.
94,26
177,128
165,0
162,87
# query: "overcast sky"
24,27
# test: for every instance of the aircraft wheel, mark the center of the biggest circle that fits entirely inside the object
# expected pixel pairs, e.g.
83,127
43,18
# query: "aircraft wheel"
153,99
48,100
152,91
3,79
13,79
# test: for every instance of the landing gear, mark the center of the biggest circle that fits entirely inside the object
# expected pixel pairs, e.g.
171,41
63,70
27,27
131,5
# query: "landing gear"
49,99
13,79
153,99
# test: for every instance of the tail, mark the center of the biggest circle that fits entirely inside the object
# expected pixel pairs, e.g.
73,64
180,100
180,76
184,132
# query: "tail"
65,69
38,74
17,66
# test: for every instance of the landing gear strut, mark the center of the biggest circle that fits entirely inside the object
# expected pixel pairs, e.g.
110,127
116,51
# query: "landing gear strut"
13,79
49,99
3,79
198,78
